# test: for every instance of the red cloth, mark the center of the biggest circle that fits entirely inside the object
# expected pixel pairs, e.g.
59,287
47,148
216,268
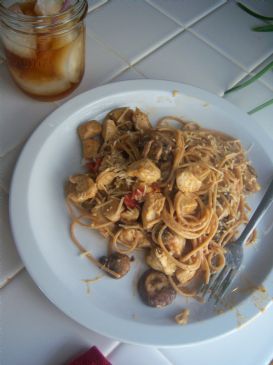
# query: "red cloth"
91,357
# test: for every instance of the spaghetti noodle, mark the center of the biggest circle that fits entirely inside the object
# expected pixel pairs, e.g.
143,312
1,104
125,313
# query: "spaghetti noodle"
177,191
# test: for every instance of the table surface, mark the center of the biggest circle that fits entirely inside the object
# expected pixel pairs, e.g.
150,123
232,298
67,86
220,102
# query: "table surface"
205,43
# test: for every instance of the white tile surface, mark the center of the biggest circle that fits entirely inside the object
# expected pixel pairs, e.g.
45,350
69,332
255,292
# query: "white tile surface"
232,349
35,332
229,29
186,12
250,96
191,61
9,258
7,164
146,28
136,355
20,114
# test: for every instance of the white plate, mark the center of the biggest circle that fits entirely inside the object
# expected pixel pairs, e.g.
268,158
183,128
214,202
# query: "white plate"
40,221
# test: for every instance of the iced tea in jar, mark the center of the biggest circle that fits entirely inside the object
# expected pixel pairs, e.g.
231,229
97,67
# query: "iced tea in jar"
44,43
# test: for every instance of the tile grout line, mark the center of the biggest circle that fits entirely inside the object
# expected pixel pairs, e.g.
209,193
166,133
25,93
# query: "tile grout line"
97,7
162,11
127,69
113,349
226,55
164,356
163,42
9,279
154,348
221,52
91,34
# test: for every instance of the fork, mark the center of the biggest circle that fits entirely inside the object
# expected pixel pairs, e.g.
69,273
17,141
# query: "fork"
219,283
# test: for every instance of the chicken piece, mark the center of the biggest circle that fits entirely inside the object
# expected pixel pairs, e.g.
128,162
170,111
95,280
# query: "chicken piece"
89,129
109,130
82,188
174,243
187,182
128,236
184,203
141,120
183,276
116,114
151,211
105,178
145,170
160,261
182,317
90,148
112,209
129,215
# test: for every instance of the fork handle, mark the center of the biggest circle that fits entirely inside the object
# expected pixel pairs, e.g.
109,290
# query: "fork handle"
258,214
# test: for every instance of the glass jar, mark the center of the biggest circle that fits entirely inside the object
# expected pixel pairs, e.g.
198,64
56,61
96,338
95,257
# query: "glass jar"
45,54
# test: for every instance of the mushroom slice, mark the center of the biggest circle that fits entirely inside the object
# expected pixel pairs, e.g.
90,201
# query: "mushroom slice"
145,170
117,262
155,289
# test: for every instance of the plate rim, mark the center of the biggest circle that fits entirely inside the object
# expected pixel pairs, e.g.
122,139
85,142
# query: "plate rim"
23,165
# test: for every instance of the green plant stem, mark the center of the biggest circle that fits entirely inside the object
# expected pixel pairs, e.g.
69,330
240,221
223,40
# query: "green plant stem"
252,79
264,28
253,13
260,107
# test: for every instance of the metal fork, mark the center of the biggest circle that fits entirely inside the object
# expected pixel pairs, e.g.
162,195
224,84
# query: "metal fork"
220,282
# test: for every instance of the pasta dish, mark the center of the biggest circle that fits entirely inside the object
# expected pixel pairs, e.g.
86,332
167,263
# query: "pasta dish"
176,191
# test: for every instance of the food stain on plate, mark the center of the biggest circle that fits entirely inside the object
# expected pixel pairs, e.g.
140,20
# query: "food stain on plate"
260,298
240,318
